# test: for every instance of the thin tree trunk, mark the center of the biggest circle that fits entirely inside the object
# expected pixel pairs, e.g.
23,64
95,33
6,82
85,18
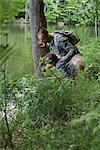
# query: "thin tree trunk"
96,27
34,26
96,19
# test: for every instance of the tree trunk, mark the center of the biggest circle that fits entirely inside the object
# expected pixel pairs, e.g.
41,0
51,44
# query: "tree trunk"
96,18
34,26
43,22
56,23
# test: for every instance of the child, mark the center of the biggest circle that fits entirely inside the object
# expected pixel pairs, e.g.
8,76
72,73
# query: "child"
51,60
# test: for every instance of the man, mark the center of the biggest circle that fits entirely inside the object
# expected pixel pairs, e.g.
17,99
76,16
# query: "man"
70,59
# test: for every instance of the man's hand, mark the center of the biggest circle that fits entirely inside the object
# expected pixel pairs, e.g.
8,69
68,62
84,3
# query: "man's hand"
63,58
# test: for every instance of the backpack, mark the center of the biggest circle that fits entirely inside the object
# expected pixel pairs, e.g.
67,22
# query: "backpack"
73,39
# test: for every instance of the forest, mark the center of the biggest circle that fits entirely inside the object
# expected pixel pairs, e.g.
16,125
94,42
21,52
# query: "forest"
43,109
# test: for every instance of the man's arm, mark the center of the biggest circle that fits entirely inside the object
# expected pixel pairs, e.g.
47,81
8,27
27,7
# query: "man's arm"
69,49
69,55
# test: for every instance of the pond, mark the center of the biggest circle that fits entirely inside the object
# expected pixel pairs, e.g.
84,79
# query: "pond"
21,61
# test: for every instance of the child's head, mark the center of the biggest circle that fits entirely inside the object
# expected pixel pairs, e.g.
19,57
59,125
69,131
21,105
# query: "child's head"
52,60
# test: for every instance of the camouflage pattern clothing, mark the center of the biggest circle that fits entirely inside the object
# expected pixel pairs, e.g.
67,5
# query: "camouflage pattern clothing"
61,46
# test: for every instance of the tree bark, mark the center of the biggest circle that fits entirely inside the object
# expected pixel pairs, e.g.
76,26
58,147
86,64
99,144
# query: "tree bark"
34,26
43,22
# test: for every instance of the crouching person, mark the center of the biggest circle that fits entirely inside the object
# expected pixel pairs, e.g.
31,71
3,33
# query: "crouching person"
69,58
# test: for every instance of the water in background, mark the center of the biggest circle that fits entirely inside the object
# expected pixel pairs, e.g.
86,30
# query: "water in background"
21,62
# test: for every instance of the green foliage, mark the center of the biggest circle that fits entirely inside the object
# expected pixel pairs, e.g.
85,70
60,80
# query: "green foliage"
80,12
5,49
5,52
67,119
92,58
9,9
54,10
77,12
53,112
72,11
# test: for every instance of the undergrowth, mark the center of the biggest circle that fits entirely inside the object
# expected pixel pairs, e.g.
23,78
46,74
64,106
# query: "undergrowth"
54,112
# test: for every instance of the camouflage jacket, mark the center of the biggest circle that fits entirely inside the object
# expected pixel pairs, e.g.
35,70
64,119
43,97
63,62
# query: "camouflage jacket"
61,46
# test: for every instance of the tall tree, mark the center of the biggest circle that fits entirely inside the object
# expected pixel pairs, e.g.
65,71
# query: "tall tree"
37,20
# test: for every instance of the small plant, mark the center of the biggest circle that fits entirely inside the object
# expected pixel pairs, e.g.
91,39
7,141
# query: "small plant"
5,52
